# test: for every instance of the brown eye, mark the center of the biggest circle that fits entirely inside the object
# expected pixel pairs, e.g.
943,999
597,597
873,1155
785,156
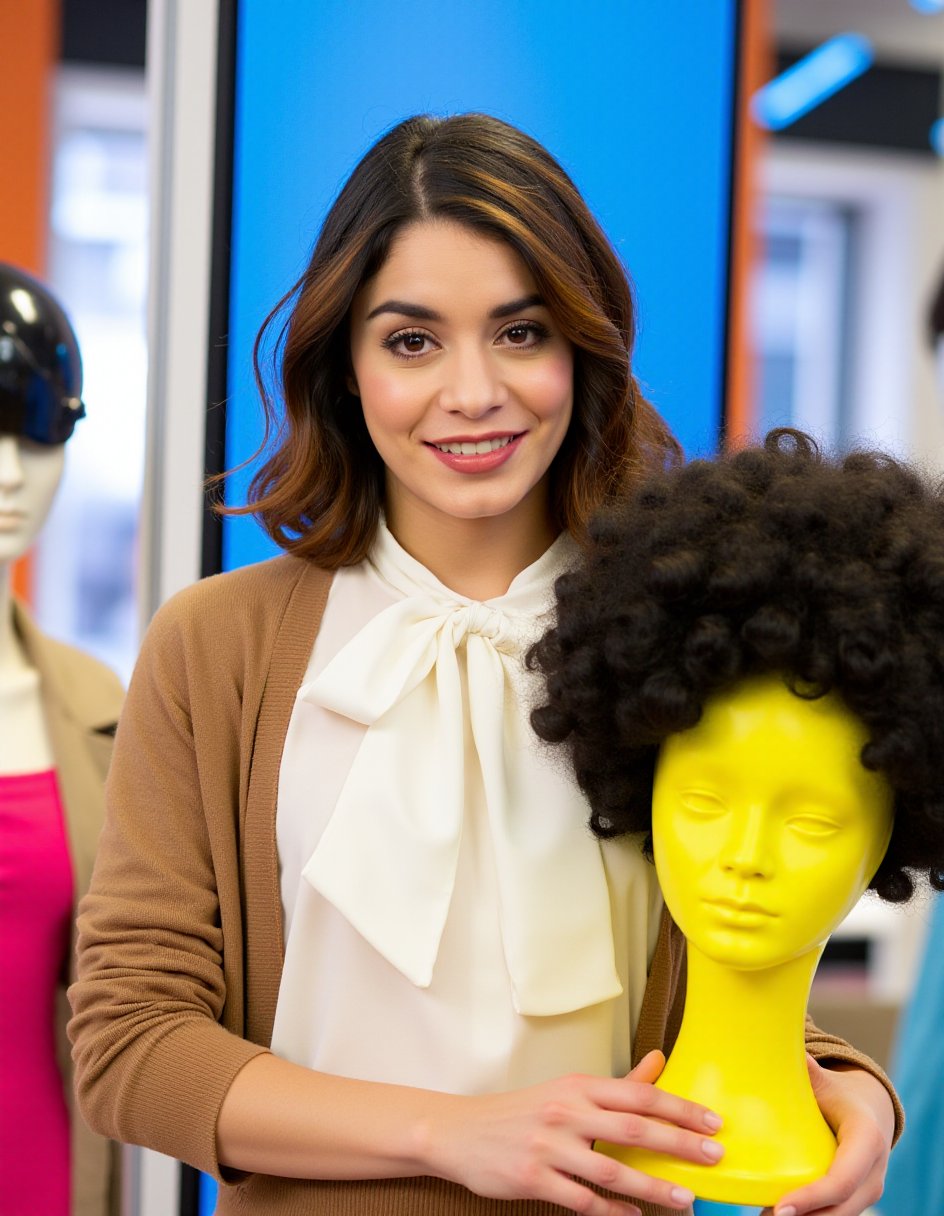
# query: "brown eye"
524,334
409,344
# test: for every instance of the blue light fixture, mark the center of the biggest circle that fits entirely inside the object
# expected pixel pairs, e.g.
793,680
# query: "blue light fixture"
928,6
818,75
936,136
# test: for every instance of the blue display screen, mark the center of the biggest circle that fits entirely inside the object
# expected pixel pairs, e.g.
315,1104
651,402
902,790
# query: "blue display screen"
208,1195
634,99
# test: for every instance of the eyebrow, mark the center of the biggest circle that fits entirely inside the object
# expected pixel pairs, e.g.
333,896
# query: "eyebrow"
419,312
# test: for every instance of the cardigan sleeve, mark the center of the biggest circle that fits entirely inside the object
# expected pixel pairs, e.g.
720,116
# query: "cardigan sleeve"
828,1048
152,1062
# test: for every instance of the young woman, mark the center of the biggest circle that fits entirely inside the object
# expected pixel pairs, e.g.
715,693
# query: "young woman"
349,946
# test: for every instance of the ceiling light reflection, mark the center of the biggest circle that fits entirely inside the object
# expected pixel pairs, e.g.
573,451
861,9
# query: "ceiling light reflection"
809,81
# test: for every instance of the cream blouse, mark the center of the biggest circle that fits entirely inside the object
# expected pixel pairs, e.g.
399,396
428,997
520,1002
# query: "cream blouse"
450,922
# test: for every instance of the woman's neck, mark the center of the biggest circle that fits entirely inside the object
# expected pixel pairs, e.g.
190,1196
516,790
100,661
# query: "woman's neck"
477,558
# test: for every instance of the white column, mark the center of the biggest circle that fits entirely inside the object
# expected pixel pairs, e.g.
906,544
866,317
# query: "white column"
181,70
181,57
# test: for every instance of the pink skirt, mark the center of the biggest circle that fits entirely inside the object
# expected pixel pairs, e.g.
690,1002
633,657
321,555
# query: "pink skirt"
36,891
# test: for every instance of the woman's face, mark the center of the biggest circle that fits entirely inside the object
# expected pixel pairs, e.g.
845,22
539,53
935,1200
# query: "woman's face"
766,826
465,379
29,476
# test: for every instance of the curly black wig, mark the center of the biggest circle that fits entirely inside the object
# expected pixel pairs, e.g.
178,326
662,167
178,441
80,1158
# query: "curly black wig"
775,559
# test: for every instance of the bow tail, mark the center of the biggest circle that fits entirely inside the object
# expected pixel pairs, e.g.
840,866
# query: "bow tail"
387,858
557,929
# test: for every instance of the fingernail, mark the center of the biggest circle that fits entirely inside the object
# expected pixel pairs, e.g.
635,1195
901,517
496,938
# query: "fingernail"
681,1195
789,1211
712,1150
712,1120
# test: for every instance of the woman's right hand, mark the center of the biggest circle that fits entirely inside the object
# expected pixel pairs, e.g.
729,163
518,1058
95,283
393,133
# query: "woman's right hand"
537,1143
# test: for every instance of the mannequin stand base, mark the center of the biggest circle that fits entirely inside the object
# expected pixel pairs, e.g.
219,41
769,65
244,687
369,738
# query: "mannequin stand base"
719,1182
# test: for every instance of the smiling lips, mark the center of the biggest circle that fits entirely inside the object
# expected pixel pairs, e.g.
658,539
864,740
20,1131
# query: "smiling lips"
467,455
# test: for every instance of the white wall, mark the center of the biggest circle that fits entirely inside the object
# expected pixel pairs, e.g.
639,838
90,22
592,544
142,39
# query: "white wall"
898,397
897,30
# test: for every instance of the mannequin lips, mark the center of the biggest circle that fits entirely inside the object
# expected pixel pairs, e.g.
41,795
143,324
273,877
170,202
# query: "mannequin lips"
740,910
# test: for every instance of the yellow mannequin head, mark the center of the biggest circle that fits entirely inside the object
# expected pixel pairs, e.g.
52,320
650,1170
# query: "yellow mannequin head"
766,826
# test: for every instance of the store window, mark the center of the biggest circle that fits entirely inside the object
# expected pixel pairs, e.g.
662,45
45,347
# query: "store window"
85,563
801,302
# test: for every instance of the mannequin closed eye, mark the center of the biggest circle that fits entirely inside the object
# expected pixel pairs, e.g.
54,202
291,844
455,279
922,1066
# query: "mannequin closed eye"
811,823
701,802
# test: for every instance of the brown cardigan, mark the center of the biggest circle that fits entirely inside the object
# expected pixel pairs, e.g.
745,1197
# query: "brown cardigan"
81,700
180,937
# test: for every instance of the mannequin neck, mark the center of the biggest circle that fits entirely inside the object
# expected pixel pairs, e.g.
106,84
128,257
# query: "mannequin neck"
25,745
754,1021
741,1052
12,658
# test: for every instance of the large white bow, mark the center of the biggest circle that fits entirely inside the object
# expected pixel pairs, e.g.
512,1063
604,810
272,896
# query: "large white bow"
387,858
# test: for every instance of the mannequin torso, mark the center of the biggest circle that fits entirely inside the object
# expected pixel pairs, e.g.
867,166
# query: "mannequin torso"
36,909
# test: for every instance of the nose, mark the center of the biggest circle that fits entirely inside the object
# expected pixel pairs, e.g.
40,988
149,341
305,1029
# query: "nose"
11,466
472,385
746,851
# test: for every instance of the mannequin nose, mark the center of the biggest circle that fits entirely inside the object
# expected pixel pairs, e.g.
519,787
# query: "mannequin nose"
11,466
471,387
746,851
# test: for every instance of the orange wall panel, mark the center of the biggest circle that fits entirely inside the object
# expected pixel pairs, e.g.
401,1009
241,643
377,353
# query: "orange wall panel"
755,69
29,36
29,47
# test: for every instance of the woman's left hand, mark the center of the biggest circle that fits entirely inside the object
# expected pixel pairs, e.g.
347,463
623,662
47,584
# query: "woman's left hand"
858,1109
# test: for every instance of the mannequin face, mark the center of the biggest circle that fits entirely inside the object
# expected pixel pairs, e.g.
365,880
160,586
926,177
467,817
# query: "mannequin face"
29,477
766,826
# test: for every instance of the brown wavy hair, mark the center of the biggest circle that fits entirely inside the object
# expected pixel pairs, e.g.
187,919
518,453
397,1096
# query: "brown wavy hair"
320,492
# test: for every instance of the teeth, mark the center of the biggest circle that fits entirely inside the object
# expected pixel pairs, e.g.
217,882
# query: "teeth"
474,449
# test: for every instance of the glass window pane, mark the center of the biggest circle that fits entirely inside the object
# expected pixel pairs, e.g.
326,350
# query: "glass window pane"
97,266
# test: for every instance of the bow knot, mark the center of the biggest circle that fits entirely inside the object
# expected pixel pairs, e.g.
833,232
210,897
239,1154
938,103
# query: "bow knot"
488,622
388,857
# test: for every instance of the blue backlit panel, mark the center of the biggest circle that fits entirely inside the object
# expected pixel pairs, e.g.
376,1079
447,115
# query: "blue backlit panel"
634,99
